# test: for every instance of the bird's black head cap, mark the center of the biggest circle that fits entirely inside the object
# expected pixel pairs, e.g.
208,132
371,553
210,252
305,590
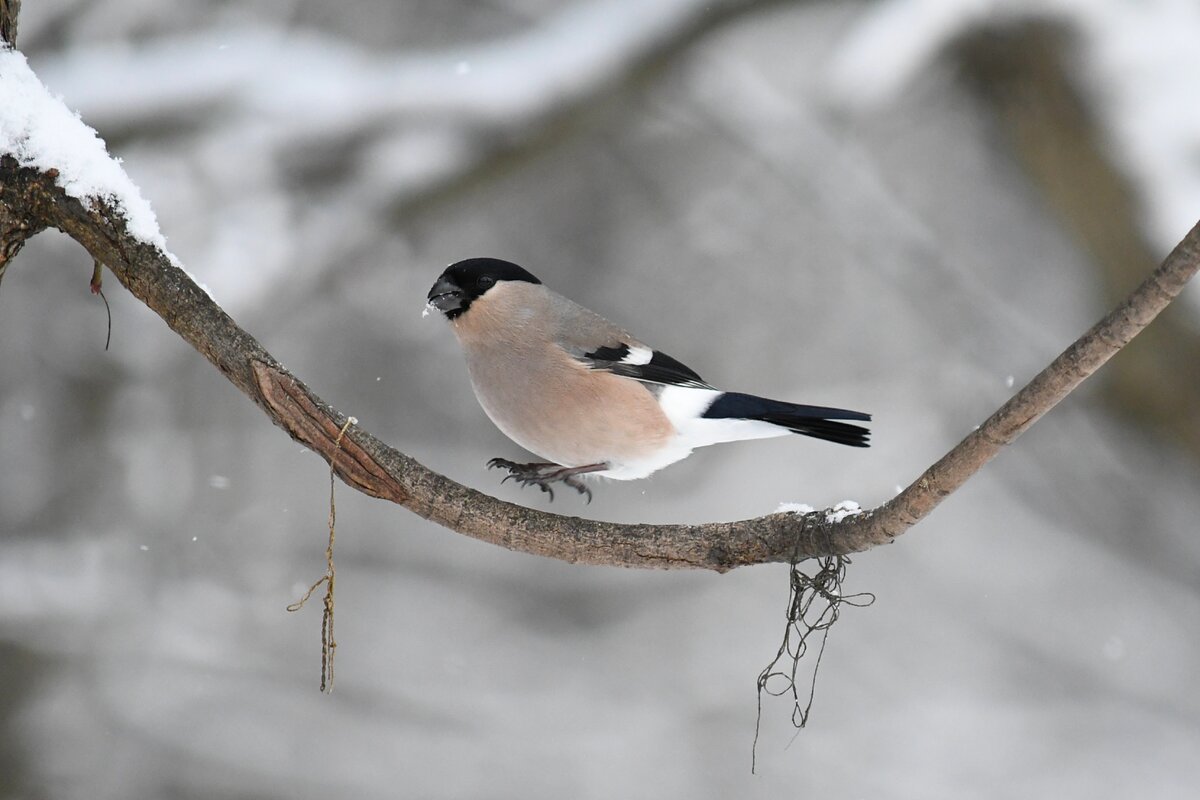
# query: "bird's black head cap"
463,282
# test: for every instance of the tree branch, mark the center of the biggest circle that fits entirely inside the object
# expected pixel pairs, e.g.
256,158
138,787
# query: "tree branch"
9,11
30,201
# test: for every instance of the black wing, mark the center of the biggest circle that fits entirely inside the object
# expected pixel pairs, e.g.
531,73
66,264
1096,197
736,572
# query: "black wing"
631,361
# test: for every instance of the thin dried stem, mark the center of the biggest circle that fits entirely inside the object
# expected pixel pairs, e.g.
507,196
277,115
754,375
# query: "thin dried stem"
328,643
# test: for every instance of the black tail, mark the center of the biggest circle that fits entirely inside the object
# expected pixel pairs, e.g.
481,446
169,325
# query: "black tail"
815,421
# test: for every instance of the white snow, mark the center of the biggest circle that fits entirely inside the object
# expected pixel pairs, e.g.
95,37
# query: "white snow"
38,130
846,508
794,508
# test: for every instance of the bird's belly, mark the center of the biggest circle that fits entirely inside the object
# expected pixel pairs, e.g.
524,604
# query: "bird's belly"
581,417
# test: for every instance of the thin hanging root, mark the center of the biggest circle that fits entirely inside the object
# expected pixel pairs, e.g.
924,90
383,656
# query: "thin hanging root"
97,280
328,643
97,275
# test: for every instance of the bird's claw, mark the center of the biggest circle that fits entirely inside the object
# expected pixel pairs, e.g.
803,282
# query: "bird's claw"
543,473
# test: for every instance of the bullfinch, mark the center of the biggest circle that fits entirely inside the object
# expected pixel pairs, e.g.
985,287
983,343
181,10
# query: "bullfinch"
581,393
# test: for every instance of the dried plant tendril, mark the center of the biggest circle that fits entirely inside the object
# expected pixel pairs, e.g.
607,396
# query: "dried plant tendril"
814,605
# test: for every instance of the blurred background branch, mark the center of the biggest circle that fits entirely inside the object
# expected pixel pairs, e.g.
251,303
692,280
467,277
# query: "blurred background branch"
1021,72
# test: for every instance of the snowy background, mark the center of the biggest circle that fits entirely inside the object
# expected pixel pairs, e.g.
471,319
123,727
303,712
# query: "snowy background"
814,201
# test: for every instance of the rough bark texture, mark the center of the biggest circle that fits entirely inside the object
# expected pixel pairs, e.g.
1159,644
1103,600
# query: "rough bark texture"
30,201
9,11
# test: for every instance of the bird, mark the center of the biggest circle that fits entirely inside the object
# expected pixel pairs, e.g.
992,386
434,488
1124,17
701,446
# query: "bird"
587,397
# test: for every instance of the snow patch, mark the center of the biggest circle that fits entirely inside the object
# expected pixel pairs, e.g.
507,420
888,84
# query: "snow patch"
846,508
39,131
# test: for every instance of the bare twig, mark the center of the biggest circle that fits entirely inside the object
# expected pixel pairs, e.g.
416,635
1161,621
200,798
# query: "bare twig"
362,461
9,11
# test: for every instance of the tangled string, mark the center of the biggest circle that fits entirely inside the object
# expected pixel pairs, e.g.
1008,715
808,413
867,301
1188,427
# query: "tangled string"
814,605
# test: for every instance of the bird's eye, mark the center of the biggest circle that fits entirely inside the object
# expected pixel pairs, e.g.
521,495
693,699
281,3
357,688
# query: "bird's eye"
485,281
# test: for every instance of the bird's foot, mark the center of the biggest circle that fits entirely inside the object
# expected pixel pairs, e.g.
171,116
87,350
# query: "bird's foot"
543,473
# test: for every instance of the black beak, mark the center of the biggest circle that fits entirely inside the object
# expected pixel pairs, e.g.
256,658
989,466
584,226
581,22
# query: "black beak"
446,297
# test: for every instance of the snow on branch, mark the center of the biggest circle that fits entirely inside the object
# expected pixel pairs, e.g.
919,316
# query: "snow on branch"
38,130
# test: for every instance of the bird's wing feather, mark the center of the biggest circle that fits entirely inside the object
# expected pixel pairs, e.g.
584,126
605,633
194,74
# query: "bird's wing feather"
599,344
635,360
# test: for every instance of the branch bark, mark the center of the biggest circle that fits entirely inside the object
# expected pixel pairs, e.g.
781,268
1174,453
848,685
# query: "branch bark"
10,10
30,202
